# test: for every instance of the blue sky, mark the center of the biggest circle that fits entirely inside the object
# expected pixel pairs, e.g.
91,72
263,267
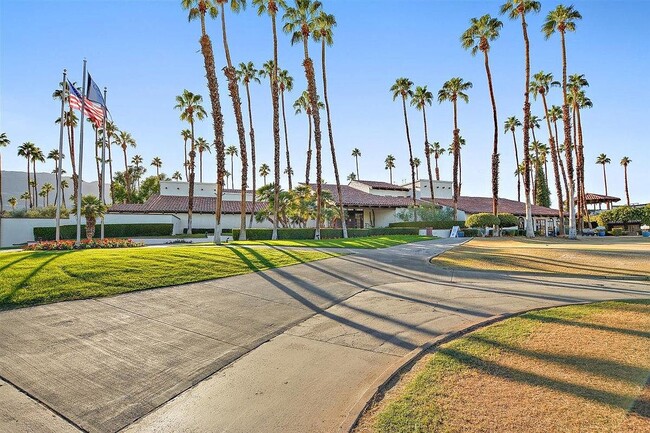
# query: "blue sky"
146,53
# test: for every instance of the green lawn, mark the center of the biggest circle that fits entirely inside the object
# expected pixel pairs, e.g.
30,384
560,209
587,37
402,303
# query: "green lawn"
364,243
28,278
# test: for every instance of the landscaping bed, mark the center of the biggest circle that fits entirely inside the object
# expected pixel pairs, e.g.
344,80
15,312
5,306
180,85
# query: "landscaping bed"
370,242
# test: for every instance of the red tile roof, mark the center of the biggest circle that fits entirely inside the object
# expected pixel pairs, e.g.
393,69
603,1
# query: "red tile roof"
374,184
597,198
472,205
358,198
179,204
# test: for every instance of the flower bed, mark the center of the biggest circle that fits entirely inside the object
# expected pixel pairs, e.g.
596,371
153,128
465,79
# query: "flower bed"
85,244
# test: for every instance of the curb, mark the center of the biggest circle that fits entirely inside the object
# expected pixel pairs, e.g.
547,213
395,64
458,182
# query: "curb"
387,379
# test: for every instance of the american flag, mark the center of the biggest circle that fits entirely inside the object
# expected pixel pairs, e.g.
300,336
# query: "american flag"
94,110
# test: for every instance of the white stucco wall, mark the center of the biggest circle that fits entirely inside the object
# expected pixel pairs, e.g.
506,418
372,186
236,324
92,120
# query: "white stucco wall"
228,221
205,189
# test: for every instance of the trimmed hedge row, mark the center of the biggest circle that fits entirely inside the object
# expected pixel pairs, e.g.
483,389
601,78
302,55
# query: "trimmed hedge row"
110,231
302,234
436,225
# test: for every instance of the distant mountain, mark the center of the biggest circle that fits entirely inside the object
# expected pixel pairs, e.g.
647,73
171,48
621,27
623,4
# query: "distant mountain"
14,184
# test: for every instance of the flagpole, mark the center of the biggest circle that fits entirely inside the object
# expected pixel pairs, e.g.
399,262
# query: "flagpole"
59,193
103,188
81,154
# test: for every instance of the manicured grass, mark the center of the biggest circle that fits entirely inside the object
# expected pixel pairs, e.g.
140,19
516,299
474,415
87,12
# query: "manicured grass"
28,278
365,243
568,369
613,257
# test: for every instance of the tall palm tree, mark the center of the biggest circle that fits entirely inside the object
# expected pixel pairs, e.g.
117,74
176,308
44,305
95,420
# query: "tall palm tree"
577,100
285,81
202,146
12,202
554,114
245,74
25,150
403,88
563,19
356,153
517,9
437,150
56,157
303,104
124,140
111,131
231,151
64,186
540,85
187,135
91,209
25,196
177,176
421,98
323,32
625,161
265,170
270,7
390,165
4,142
36,156
603,159
352,176
452,90
477,38
137,160
233,89
190,107
416,164
46,189
198,9
157,162
70,122
510,125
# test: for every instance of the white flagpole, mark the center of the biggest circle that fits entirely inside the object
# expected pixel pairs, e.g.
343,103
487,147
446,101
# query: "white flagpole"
81,154
103,189
59,193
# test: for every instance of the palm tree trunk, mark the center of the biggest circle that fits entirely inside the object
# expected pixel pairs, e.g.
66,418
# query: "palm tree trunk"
190,198
605,179
530,232
390,174
29,184
110,168
308,164
356,161
185,158
437,169
514,140
427,154
627,192
35,183
583,195
567,143
408,140
495,146
455,150
233,88
252,136
556,169
201,165
127,179
286,143
276,121
232,171
331,139
75,177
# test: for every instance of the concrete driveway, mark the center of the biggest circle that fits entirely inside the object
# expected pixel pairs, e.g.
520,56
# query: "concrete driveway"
294,349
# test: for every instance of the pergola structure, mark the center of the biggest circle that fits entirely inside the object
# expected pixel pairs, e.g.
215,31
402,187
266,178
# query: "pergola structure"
598,199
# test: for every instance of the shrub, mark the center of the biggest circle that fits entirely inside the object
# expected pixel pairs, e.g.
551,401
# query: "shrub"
425,212
202,231
617,231
436,225
85,244
471,232
508,220
110,230
624,214
482,220
325,233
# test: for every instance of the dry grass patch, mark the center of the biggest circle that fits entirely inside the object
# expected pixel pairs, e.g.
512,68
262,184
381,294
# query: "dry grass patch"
609,257
568,369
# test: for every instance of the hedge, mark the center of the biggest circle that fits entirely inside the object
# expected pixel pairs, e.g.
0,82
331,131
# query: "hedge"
482,220
508,220
436,225
309,233
110,231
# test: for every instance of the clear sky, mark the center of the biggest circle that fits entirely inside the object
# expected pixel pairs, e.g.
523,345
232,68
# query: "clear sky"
146,53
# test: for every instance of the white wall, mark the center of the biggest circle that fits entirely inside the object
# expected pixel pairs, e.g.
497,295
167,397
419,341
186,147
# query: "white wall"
228,221
441,188
205,189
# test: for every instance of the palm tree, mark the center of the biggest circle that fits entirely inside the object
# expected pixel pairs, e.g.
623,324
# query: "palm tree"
227,174
70,122
543,159
198,9
562,19
12,202
177,176
603,159
56,157
517,9
111,131
124,140
36,156
540,85
245,74
390,165
421,98
352,176
270,7
46,189
64,186
578,99
302,104
356,153
437,151
190,107
265,170
323,32
300,22
232,152
452,90
25,150
91,209
25,196
554,114
157,162
402,88
4,142
233,89
285,81
202,145
625,161
416,164
187,135
477,38
137,161
510,125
